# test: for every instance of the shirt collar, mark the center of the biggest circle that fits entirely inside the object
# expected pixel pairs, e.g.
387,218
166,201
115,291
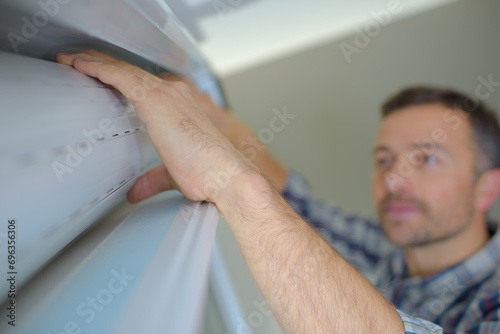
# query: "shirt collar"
460,277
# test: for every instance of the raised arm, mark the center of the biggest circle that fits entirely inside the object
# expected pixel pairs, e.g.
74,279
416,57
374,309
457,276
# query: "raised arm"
308,286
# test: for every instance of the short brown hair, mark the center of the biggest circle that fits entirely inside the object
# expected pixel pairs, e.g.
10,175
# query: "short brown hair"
484,121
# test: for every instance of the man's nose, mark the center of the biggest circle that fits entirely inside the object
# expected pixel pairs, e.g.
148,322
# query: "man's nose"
399,178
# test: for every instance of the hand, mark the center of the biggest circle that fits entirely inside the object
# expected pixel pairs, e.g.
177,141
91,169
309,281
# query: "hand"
191,147
224,120
239,134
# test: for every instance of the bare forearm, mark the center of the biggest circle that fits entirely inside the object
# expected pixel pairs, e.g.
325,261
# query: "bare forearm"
308,286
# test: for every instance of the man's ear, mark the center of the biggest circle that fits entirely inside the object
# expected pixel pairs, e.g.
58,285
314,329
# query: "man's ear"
487,189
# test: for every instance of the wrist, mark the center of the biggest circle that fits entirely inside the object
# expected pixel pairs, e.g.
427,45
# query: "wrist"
246,193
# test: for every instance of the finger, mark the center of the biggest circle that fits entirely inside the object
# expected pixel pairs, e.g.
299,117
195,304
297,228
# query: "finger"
153,182
175,77
201,97
130,80
100,54
65,58
172,77
69,58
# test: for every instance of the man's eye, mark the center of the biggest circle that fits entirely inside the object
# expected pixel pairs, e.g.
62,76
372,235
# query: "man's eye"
429,159
384,162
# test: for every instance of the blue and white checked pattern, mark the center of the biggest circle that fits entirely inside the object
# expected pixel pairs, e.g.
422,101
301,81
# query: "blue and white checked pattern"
462,299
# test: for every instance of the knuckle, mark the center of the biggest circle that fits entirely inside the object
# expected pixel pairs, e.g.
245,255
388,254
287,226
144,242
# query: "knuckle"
122,63
182,88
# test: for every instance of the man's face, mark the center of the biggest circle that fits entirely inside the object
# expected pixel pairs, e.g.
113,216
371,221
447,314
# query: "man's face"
423,180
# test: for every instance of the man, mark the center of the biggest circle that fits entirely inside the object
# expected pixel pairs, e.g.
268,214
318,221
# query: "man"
433,183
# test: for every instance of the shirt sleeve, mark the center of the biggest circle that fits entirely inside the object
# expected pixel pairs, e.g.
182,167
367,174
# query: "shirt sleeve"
415,325
359,240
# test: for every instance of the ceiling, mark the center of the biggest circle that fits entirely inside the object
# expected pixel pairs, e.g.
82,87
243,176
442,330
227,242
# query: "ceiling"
235,35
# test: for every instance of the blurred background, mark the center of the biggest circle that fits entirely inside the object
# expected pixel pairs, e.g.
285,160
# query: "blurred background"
332,63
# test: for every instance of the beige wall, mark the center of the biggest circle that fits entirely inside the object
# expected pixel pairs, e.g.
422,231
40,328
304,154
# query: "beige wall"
336,102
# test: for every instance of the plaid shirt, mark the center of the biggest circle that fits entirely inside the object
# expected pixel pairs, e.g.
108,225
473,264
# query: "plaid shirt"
462,299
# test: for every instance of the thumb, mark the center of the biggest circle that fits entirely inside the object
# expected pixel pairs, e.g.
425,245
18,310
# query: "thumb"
149,184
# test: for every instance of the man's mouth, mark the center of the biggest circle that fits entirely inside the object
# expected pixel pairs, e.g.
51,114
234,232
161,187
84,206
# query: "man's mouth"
398,209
